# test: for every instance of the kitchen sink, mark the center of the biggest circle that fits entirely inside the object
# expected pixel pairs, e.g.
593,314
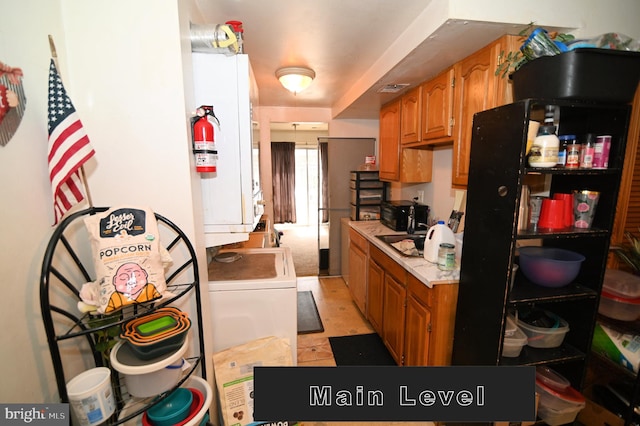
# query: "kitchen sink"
418,240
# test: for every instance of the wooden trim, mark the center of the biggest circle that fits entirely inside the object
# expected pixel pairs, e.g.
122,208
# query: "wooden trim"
628,207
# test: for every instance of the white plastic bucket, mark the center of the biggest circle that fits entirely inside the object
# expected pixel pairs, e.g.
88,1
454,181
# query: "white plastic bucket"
145,378
91,396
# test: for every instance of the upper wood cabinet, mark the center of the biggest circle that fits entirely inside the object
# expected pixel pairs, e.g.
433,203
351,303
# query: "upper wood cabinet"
476,89
437,108
441,111
410,117
398,162
389,148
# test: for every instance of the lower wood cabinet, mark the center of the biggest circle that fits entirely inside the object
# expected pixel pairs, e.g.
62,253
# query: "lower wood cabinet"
417,330
358,251
375,295
430,322
415,321
395,296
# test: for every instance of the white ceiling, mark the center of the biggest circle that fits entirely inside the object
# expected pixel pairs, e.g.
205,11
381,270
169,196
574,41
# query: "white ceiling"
351,44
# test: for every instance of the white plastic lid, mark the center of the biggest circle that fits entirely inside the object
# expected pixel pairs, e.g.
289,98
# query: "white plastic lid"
510,328
568,394
551,378
126,362
620,299
621,283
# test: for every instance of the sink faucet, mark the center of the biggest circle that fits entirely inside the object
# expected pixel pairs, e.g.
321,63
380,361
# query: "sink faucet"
411,223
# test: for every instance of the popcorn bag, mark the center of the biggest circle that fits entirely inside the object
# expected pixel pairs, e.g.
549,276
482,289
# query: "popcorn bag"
128,259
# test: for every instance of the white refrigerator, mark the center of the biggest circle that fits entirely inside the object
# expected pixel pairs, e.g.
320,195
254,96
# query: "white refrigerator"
232,199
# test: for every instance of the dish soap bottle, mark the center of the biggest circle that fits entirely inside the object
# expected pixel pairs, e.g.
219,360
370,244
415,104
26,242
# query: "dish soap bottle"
544,151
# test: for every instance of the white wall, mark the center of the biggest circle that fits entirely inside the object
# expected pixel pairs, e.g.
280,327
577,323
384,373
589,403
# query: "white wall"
129,90
26,215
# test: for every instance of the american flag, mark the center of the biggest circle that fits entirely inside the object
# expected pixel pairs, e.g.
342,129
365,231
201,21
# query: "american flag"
69,147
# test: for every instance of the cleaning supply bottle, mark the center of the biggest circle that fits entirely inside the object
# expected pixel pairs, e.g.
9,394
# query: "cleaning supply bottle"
544,151
436,235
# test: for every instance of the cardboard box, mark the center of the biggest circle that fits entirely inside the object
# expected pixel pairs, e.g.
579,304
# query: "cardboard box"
595,415
234,376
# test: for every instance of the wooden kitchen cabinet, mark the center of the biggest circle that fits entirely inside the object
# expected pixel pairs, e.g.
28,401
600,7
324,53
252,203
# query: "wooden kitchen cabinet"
437,108
441,110
394,293
389,147
410,129
476,89
398,163
358,254
375,295
415,321
418,330
430,322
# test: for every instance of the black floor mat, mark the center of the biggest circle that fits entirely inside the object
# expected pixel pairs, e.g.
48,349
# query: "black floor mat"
360,349
308,317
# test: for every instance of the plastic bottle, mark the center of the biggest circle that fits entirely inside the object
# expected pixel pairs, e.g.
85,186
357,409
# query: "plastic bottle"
573,153
436,235
562,151
544,151
587,151
601,152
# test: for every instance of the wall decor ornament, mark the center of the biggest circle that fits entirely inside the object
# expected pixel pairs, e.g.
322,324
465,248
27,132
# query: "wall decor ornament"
12,101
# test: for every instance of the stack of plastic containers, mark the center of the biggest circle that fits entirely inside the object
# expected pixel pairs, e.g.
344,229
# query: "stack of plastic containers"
559,402
620,295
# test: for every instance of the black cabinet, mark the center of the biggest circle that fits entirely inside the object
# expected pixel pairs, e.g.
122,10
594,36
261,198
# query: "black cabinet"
366,192
498,170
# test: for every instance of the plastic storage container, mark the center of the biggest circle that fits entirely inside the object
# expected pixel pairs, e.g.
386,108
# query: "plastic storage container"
618,307
558,407
198,414
514,339
587,74
551,378
540,337
621,283
91,396
146,378
550,266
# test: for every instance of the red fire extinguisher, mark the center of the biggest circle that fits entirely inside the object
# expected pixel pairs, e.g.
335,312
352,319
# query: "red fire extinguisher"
204,146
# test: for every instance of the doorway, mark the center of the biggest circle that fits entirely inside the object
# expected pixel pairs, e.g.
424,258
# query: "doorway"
302,233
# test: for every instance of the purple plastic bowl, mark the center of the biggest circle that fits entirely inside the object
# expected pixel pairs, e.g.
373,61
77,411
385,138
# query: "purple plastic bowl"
549,266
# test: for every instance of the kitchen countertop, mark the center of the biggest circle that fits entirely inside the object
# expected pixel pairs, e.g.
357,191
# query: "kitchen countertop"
425,271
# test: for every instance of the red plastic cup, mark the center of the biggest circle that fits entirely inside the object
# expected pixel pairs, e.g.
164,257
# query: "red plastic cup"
552,214
568,208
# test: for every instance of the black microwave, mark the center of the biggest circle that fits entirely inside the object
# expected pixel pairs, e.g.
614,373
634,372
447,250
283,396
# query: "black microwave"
395,215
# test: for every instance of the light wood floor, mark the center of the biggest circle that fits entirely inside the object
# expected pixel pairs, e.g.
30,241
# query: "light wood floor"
340,317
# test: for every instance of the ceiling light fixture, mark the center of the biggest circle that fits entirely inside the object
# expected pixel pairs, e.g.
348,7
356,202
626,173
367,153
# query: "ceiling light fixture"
295,79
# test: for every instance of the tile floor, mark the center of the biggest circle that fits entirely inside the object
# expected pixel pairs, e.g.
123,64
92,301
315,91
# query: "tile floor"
340,317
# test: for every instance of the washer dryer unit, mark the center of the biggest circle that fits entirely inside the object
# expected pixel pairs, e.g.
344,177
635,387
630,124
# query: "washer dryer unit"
253,294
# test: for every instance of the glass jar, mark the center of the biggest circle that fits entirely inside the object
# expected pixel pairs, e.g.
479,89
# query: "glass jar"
446,257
